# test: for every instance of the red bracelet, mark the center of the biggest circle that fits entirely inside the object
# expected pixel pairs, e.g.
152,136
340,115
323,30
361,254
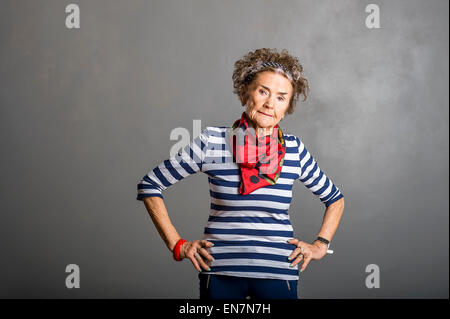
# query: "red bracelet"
176,249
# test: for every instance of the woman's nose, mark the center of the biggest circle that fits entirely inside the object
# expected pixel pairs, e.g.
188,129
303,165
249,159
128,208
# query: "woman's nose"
269,103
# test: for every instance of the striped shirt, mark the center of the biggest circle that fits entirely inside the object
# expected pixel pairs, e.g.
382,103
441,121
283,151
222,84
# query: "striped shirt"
249,232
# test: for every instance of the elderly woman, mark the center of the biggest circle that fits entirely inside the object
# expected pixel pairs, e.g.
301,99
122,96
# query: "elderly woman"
248,249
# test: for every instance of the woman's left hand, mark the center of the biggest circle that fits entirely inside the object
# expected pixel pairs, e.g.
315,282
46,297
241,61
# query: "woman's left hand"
307,252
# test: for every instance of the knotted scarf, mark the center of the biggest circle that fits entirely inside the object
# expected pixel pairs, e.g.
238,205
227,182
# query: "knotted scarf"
260,159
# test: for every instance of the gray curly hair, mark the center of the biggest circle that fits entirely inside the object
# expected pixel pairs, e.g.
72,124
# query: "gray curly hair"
260,60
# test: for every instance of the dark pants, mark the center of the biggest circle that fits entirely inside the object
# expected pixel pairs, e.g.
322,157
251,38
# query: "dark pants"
231,287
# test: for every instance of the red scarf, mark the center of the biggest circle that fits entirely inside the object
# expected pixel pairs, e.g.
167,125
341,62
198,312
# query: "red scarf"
260,158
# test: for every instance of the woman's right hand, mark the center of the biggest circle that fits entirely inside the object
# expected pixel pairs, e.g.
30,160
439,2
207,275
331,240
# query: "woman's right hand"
197,253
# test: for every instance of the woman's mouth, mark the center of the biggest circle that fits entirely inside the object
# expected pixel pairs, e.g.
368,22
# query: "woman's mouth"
265,114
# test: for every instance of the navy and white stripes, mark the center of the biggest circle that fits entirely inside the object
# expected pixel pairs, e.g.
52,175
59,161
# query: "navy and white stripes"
250,232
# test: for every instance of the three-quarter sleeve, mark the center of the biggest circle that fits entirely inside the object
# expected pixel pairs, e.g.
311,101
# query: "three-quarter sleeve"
315,179
186,162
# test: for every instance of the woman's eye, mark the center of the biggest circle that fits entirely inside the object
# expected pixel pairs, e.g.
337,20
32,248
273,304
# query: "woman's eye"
262,91
281,98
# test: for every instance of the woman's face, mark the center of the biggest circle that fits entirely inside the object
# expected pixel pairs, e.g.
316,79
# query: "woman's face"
267,101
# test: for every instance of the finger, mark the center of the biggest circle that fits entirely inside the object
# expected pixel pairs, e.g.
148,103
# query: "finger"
293,241
302,244
194,262
200,258
296,261
201,262
203,252
305,263
294,253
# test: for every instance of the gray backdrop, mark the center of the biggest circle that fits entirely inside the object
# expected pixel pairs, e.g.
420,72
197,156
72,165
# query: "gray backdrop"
85,113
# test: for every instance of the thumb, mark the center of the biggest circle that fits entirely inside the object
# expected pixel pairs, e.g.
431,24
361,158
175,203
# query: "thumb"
207,244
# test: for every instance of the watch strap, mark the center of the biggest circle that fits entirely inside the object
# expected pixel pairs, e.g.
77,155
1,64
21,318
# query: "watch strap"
323,240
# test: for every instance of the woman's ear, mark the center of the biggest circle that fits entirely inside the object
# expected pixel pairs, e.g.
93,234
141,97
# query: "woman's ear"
243,95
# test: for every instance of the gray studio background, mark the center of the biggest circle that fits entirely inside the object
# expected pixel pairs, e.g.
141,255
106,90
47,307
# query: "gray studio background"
85,113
